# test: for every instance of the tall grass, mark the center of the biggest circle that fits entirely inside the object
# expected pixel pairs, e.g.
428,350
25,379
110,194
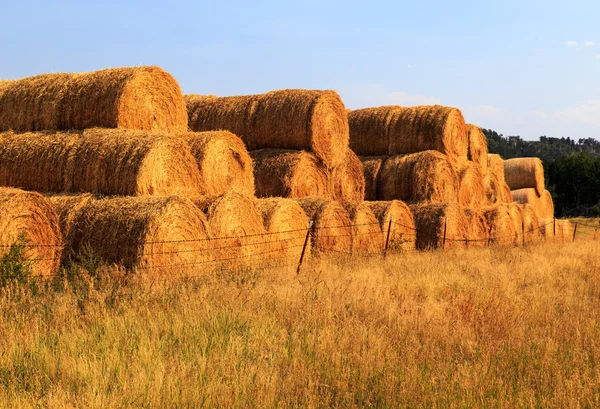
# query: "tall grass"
477,328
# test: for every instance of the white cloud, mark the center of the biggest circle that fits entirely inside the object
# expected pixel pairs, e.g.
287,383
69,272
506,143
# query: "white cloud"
574,44
483,112
587,113
598,56
541,113
404,99
409,65
571,43
589,44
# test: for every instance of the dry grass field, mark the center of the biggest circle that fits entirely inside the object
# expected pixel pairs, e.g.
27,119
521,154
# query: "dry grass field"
500,327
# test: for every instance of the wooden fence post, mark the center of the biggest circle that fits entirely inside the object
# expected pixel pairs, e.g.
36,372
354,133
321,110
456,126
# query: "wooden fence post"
445,228
387,239
310,225
575,231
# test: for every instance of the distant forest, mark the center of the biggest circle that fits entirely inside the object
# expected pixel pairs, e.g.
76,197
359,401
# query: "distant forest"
572,168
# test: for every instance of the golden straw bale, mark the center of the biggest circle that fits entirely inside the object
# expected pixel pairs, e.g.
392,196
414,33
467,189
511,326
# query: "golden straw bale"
564,231
29,216
543,206
223,162
547,229
371,167
516,215
478,148
367,238
502,228
497,191
402,234
434,220
286,225
152,233
496,166
287,173
471,191
531,223
423,176
369,130
145,98
286,119
66,206
348,180
478,231
331,230
521,173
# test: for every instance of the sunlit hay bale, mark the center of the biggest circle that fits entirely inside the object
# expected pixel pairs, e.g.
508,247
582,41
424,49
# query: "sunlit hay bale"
531,223
369,130
286,225
29,217
423,176
471,191
367,238
502,228
478,230
516,215
564,231
478,148
497,190
35,161
286,119
371,167
543,206
436,220
288,173
547,229
66,206
402,234
223,162
237,226
348,180
331,232
145,98
132,163
154,234
521,173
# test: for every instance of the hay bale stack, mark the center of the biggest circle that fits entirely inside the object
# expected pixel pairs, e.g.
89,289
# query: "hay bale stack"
478,231
531,223
66,206
522,173
286,225
547,229
367,238
478,148
370,130
291,174
516,215
402,234
144,98
543,206
237,226
471,188
152,233
223,162
371,167
564,231
29,216
286,119
423,176
348,180
432,219
331,230
497,191
502,228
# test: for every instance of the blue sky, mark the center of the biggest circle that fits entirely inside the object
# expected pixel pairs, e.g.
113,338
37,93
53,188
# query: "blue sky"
525,67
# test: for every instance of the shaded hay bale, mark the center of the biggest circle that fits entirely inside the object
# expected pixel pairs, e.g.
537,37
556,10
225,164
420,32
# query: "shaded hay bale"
478,148
502,228
564,231
547,229
30,217
66,206
291,174
223,162
331,232
531,224
522,173
286,225
543,206
471,190
371,167
145,98
433,219
423,176
286,119
367,238
369,130
478,231
348,180
402,233
496,190
151,233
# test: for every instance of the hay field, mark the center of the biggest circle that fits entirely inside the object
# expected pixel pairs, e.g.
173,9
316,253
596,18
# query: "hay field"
500,327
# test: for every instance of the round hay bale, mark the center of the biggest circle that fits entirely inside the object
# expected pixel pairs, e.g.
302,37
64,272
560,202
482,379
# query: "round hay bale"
521,173
371,167
516,215
402,232
531,223
286,225
502,228
151,233
423,176
66,206
471,188
369,130
478,231
348,180
35,161
367,238
496,190
331,230
564,231
547,229
433,219
291,174
238,230
478,148
30,217
223,162
286,119
543,206
145,98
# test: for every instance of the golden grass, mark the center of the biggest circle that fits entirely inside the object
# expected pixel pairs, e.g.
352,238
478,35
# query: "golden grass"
479,328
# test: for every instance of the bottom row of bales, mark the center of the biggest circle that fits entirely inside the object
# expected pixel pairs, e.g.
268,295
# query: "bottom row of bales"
156,233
